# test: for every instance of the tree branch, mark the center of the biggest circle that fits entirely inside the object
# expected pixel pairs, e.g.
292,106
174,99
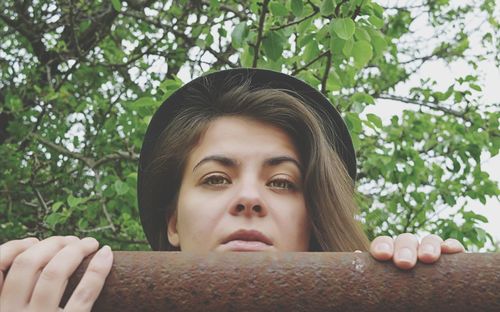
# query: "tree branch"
298,70
316,10
242,16
327,71
425,104
259,32
91,163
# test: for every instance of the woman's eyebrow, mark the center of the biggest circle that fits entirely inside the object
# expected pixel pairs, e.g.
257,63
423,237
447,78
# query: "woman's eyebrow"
229,162
223,160
275,161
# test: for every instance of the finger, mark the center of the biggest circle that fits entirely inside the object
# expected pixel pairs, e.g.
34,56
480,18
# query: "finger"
405,251
382,248
451,246
54,277
9,251
92,282
25,268
429,250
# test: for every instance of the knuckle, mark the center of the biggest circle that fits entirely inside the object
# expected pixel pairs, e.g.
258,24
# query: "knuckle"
90,240
71,238
59,240
32,239
51,274
84,294
23,261
97,268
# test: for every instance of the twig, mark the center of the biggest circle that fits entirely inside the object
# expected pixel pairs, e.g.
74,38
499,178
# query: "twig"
97,229
310,62
91,163
316,10
103,201
259,32
41,201
337,8
425,104
327,71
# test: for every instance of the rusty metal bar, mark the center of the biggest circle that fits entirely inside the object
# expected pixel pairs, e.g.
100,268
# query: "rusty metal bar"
177,281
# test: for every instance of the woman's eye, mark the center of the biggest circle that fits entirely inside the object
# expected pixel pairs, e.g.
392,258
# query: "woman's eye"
216,180
281,184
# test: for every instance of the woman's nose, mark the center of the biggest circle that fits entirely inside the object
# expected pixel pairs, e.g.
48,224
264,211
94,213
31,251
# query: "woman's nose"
248,202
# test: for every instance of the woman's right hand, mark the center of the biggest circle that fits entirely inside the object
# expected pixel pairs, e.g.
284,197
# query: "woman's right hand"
39,272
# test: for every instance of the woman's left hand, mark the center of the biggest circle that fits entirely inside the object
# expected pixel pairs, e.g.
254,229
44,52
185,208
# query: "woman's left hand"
405,249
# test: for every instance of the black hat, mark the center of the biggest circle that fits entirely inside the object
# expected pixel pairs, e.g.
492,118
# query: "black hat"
152,218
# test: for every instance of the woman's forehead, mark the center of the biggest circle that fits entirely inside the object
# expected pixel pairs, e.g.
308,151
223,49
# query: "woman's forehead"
241,138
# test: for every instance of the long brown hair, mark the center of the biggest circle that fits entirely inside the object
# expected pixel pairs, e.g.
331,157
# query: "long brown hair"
328,188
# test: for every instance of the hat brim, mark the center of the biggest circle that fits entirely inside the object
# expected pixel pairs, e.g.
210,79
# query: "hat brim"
336,129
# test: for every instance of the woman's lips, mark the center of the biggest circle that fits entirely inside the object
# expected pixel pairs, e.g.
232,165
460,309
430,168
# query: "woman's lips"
241,245
246,240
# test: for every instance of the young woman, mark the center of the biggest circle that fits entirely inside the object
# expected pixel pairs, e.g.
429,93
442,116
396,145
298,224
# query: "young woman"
238,160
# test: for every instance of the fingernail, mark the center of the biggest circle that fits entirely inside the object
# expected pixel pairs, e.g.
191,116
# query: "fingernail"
104,252
405,254
452,244
89,239
383,247
428,249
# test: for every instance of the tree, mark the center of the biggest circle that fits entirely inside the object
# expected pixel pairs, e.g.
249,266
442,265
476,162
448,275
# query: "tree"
81,79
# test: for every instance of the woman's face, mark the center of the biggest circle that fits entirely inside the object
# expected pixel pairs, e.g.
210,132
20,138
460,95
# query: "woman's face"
241,191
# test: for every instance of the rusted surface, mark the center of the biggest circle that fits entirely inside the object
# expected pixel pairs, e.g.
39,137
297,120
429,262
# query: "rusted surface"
174,281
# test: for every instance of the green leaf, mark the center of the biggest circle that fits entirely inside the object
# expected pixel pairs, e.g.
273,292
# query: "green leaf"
343,27
246,57
361,34
327,7
117,5
375,21
304,40
337,45
379,45
56,206
475,87
311,51
353,122
239,34
121,187
277,9
84,25
53,219
74,201
83,224
347,49
14,103
362,53
375,120
144,102
273,45
362,97
297,7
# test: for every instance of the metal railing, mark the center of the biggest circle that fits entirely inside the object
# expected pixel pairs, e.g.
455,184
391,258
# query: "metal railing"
323,281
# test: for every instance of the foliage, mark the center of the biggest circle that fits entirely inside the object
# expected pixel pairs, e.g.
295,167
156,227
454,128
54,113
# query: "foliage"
79,81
